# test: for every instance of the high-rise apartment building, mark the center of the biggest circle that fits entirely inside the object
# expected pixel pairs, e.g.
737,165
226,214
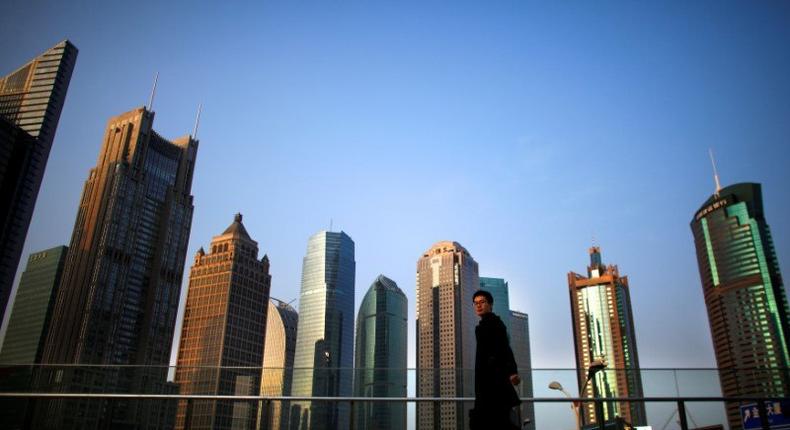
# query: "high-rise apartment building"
119,292
519,342
744,294
380,356
325,338
603,328
447,276
499,291
278,362
223,334
31,99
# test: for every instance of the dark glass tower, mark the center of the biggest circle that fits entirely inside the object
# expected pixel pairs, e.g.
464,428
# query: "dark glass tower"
603,328
744,295
380,363
118,298
499,291
31,99
224,331
519,341
325,338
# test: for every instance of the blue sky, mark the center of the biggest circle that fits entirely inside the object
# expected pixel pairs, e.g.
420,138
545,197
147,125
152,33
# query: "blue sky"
521,130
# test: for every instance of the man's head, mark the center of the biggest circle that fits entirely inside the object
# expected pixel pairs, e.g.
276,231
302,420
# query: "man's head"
483,301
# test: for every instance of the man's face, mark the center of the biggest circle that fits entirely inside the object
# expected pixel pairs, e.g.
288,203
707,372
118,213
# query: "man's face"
482,306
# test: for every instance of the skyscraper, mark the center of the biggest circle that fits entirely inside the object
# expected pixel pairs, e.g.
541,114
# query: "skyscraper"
380,364
118,297
31,99
27,328
519,342
325,337
744,295
499,291
32,308
222,337
278,362
447,276
603,328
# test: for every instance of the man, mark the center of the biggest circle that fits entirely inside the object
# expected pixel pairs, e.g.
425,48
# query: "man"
495,370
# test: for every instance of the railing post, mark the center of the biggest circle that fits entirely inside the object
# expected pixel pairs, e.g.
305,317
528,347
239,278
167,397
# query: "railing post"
188,417
351,413
763,414
684,425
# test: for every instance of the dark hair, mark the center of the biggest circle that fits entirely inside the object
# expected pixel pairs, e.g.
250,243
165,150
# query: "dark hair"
484,293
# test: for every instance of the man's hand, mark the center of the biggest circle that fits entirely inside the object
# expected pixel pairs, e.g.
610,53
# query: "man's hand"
515,379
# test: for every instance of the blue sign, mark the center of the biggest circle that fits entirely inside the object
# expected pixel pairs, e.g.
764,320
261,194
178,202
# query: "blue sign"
778,415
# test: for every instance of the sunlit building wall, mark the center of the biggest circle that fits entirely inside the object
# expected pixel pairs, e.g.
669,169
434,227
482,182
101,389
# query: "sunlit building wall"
603,328
447,277
222,337
278,361
744,295
380,356
31,99
325,337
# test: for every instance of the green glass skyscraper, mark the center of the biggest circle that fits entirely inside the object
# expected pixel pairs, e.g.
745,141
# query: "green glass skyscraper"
325,334
499,290
744,294
380,363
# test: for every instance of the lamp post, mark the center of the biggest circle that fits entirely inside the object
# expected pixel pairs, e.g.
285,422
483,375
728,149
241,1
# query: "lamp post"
554,385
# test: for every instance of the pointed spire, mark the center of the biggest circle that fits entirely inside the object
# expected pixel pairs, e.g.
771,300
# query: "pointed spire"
715,172
153,92
197,121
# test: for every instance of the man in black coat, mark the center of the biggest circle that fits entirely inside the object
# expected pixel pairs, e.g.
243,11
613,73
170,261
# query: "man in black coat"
495,370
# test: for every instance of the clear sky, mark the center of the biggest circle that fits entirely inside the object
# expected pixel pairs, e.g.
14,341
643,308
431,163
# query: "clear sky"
524,131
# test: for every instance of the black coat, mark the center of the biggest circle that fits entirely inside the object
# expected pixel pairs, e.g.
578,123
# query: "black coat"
494,364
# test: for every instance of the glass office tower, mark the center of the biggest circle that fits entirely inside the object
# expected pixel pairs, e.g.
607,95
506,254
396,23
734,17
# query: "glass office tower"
603,328
499,291
380,363
519,342
118,299
325,338
31,99
744,295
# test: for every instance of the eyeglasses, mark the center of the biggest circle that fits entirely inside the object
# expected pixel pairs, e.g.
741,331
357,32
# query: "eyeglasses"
480,302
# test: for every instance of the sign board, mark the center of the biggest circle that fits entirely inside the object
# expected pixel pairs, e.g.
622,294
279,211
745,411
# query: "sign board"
778,415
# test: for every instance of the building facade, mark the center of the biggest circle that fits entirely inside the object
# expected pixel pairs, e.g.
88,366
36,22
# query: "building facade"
519,342
603,328
325,338
278,362
31,99
499,291
447,277
119,292
223,334
744,295
380,356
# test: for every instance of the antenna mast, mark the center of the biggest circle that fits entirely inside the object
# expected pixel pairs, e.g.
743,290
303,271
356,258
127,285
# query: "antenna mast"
197,121
153,92
715,172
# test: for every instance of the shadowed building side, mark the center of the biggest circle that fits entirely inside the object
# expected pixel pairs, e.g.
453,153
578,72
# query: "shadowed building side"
519,342
380,356
744,295
119,293
31,99
447,276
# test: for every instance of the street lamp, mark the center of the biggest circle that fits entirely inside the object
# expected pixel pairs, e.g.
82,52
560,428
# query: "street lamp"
554,385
